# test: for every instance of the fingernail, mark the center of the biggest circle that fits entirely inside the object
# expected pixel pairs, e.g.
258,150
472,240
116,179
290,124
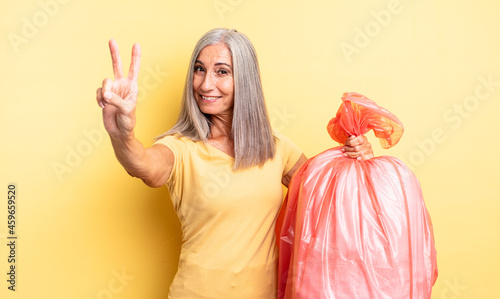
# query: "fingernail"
345,155
101,105
107,95
358,158
342,150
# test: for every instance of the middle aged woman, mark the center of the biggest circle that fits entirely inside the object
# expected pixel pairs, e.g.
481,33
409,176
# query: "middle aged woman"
222,163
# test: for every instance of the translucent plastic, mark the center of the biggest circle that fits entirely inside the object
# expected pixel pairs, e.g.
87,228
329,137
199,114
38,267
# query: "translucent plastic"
356,229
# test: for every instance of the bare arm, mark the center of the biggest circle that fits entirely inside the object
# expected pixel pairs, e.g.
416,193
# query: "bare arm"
152,165
288,177
118,100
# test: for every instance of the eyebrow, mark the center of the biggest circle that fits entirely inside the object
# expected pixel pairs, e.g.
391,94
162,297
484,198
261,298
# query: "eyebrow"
218,63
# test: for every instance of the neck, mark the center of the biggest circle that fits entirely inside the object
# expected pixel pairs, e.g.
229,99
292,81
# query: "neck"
221,126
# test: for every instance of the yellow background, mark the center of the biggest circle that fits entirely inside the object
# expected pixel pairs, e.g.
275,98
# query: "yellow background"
88,230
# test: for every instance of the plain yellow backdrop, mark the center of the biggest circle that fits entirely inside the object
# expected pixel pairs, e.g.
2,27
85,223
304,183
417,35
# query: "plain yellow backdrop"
87,230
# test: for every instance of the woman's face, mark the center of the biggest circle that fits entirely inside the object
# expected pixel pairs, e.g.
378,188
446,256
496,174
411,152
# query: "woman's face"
213,83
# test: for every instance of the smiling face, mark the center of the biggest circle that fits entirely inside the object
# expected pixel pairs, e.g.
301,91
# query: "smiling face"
213,83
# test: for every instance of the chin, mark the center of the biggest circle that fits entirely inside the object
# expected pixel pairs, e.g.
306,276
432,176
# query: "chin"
207,109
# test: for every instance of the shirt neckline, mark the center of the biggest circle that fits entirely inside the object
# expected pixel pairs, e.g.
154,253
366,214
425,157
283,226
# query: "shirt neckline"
221,153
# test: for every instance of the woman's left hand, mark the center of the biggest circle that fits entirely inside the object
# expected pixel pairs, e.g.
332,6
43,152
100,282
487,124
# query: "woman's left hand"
358,147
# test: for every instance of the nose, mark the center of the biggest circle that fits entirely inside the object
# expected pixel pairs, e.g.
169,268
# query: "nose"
208,82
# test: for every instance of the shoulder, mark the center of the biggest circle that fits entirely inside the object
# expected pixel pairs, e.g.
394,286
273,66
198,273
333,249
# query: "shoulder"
182,145
176,139
177,143
282,142
286,151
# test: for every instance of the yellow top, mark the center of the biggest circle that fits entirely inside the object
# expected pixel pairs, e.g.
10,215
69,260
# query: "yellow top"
228,220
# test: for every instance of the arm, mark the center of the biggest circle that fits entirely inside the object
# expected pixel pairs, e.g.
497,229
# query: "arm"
118,100
152,165
288,177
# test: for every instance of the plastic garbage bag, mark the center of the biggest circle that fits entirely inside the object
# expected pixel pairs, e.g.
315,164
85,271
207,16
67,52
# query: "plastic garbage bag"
356,229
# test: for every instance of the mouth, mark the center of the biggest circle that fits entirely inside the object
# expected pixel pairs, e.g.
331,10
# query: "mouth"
208,99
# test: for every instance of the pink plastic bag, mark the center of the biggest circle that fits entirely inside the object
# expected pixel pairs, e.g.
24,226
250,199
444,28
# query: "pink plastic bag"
356,229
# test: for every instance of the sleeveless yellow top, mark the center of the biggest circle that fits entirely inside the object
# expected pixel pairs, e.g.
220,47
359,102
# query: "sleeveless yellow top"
228,220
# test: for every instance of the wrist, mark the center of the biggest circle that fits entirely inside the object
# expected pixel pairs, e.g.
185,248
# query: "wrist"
122,137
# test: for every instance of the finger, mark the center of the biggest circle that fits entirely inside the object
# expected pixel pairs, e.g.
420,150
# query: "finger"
107,85
135,63
367,157
366,154
352,155
115,57
356,140
99,98
363,151
366,147
347,142
363,155
113,99
354,149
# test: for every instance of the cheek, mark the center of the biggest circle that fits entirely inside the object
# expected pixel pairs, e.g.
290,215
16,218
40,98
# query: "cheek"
228,87
196,81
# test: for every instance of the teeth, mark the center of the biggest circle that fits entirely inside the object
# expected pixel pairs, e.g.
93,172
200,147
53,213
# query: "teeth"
209,98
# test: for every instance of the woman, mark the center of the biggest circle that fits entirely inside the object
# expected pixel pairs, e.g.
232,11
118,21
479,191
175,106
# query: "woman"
221,162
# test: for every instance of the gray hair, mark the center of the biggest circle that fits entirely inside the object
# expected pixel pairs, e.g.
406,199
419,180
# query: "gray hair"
254,142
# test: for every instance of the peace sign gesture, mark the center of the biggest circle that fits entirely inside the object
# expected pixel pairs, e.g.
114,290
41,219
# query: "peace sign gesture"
118,98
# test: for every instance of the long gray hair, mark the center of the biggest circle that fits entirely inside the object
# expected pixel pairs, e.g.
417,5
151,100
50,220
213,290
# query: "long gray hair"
254,142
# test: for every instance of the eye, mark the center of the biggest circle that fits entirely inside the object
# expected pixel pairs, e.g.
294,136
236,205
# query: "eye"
198,69
223,72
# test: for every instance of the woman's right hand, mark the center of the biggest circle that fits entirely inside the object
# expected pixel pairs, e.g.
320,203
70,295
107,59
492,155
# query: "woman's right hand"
118,98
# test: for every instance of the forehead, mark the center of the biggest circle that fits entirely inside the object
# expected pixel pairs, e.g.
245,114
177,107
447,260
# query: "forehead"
215,54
